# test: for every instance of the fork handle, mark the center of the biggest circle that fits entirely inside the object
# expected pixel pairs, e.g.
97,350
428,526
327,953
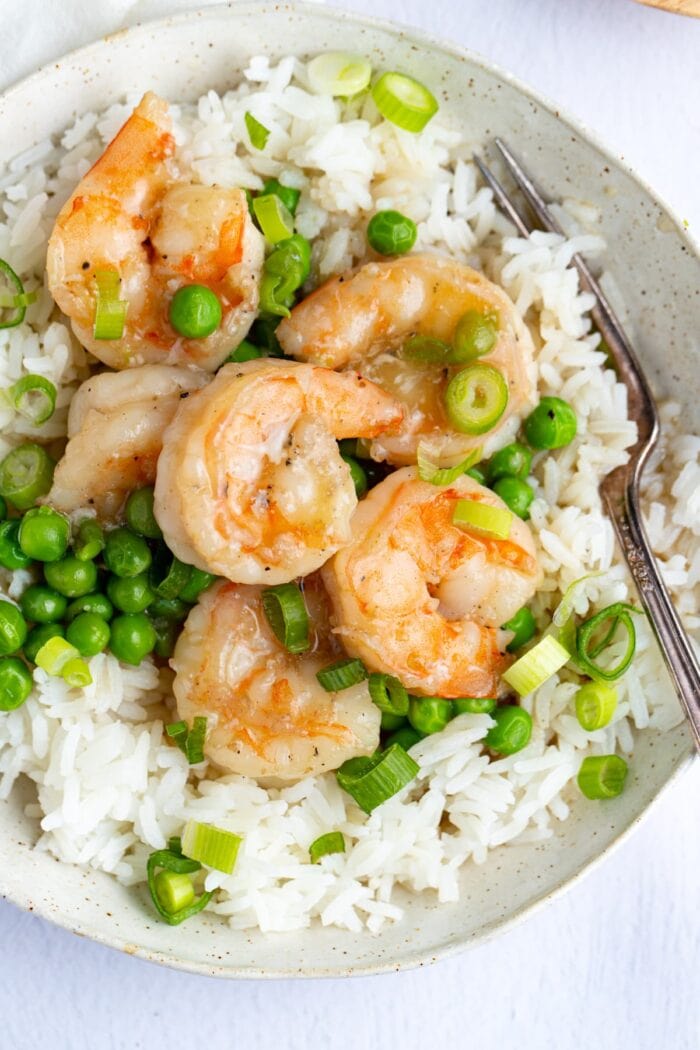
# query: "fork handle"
675,645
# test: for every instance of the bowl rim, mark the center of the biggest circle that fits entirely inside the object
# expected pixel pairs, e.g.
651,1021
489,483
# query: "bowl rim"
422,39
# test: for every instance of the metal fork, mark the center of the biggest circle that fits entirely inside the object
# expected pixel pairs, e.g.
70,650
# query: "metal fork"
620,488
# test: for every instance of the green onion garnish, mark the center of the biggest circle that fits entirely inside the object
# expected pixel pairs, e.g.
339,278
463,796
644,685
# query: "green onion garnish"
289,195
424,348
595,705
211,846
371,781
434,475
190,741
476,398
175,844
172,893
34,397
388,694
168,575
110,310
331,842
286,613
55,654
257,132
90,540
339,73
16,300
404,101
536,666
245,351
276,220
482,518
26,473
589,647
177,731
76,673
341,675
602,776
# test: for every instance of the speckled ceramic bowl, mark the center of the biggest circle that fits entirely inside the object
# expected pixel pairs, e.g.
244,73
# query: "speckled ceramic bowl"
659,274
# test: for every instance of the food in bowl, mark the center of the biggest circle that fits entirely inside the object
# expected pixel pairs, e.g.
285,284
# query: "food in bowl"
317,599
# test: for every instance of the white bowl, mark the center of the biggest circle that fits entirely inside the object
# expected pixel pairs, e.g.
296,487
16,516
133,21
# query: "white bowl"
658,272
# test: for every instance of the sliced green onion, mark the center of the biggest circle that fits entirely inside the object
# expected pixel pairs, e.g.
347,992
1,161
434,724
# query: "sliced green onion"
289,195
371,781
331,842
434,475
110,310
173,862
595,705
168,575
177,731
339,73
17,300
26,473
404,101
276,220
602,776
194,747
175,844
565,609
341,675
34,397
211,846
476,398
482,518
257,132
76,672
55,654
286,613
424,348
245,351
174,891
536,666
588,649
90,540
388,694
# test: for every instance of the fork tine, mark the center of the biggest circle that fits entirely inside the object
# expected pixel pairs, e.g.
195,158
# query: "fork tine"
603,314
502,198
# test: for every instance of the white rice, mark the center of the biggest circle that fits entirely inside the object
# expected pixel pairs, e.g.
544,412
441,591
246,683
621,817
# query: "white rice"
109,789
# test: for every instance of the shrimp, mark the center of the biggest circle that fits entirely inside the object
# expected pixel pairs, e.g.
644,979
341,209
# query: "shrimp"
134,213
115,431
267,714
250,484
363,318
417,597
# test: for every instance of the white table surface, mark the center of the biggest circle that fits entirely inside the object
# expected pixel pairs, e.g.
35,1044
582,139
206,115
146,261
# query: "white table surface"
614,964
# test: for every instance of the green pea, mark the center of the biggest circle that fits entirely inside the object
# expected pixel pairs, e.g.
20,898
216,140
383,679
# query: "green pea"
406,736
133,637
91,603
552,424
15,683
478,474
523,625
511,732
516,494
391,233
245,351
3,509
474,705
13,628
166,636
512,461
195,312
287,194
89,633
357,473
42,604
44,534
429,714
125,553
262,334
11,554
475,335
26,474
390,721
169,609
198,582
131,594
90,540
70,576
39,636
139,514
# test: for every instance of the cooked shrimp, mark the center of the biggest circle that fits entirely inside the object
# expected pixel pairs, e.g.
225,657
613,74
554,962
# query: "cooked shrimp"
250,484
266,713
363,318
115,432
134,213
417,597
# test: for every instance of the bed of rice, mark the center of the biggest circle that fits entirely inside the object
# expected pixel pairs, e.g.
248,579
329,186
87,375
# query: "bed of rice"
109,788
